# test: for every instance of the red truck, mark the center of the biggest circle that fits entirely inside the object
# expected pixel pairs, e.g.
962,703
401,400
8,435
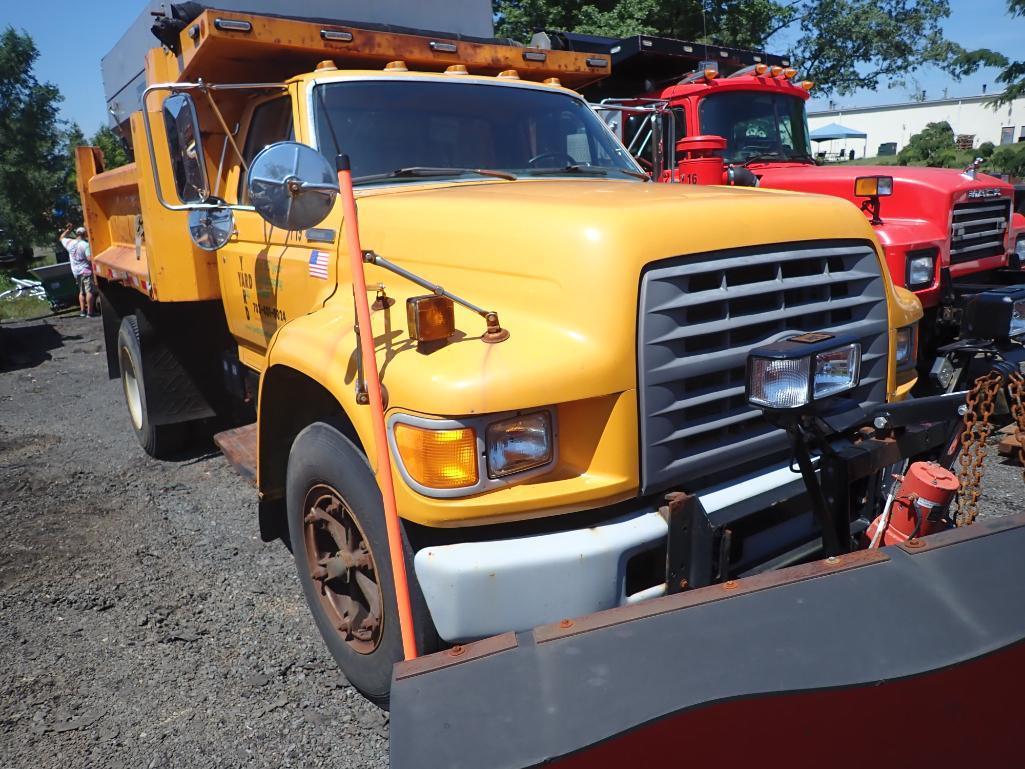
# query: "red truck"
730,116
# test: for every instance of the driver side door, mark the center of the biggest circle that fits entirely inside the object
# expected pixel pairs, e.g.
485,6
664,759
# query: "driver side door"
269,276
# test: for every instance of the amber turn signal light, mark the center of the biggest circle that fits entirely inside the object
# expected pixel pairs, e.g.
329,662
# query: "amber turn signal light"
438,459
873,186
431,318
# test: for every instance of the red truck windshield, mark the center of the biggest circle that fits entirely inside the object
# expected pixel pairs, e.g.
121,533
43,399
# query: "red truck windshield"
757,125
385,126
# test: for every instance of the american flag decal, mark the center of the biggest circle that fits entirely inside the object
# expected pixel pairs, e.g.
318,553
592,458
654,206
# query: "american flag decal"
318,265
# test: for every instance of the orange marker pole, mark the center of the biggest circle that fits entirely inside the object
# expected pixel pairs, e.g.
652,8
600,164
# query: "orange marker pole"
373,383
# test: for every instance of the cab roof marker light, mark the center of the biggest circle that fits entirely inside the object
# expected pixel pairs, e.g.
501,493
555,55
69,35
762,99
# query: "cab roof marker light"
438,47
534,56
233,25
711,74
552,81
807,85
396,66
790,73
776,70
456,69
509,74
761,69
336,35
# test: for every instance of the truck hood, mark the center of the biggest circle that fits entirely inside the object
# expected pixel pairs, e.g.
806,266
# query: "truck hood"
560,261
921,193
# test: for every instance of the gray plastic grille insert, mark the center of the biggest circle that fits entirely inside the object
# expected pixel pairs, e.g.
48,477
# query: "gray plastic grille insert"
699,317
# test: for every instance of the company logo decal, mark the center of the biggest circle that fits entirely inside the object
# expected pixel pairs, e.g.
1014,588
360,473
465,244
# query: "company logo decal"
989,192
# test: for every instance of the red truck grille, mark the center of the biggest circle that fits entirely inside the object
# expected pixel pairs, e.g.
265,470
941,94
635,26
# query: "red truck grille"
977,229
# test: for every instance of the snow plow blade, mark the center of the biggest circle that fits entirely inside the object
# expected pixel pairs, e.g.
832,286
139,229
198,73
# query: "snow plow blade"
905,656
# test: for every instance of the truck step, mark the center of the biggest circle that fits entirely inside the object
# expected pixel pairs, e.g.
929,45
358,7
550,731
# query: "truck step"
239,448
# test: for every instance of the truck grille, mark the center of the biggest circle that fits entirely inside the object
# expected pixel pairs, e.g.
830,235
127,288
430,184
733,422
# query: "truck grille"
699,317
977,229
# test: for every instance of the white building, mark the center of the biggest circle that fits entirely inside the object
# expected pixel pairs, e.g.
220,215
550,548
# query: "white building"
969,116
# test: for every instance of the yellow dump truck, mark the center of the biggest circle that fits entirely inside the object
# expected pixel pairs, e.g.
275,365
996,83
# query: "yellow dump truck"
560,343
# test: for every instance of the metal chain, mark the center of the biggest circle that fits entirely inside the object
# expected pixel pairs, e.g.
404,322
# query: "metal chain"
973,445
1016,389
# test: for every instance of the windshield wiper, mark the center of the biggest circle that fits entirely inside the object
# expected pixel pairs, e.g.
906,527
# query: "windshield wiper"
424,172
763,156
586,169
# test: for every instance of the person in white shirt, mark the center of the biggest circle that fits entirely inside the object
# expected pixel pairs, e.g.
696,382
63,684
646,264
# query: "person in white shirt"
79,255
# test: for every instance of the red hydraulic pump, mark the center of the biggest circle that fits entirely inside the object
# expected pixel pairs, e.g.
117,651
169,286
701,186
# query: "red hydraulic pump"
927,488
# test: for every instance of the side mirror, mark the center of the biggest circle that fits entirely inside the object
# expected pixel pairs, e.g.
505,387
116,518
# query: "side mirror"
186,147
292,186
210,228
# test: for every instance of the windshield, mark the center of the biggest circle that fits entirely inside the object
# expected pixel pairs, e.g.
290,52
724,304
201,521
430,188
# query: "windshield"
757,125
439,128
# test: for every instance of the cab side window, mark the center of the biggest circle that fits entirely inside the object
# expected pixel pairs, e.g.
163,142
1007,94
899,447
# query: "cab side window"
271,122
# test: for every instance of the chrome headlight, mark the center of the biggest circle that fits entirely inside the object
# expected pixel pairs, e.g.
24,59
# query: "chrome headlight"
1019,249
796,371
518,444
921,268
907,346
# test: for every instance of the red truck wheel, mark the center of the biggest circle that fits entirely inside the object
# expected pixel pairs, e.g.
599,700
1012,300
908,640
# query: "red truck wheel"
158,441
337,531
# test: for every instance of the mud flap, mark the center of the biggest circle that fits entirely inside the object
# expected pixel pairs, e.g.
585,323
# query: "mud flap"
905,656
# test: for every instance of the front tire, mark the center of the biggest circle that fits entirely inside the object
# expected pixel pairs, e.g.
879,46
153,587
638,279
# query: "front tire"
159,441
339,540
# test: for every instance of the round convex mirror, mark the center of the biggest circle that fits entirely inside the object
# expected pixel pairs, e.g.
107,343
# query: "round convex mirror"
210,228
292,186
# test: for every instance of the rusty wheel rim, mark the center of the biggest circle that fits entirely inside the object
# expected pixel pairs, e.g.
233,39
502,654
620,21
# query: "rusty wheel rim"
343,570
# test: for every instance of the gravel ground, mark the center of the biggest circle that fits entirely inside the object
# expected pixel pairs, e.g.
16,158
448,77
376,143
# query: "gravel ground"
142,621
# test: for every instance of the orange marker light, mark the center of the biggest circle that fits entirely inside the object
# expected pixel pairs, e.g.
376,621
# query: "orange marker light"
711,74
761,69
456,69
511,74
396,66
438,459
807,85
776,71
325,65
431,318
552,81
790,73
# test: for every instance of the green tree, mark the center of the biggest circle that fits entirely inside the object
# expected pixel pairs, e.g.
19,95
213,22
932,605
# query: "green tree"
1012,76
110,143
1009,159
934,146
842,45
32,145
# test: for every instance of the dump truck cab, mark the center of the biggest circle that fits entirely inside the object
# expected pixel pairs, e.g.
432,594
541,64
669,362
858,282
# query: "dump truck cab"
566,418
946,234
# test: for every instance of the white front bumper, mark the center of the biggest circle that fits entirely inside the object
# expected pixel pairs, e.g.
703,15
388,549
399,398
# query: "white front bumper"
479,589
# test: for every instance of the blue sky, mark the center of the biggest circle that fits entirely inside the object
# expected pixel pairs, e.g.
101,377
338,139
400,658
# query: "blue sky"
73,36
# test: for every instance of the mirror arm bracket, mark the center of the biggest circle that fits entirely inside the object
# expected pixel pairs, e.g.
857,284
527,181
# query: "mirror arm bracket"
494,332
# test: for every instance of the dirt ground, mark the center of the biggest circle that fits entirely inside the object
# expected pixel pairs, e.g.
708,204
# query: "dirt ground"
142,621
